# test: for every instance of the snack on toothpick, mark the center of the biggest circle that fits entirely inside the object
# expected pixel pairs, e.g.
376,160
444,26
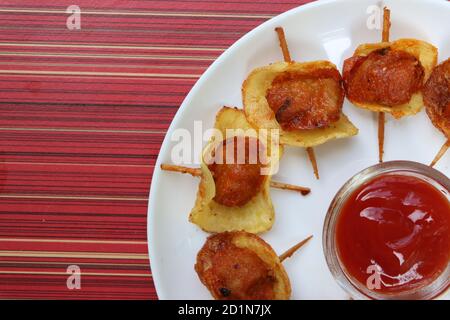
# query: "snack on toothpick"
436,97
302,100
241,266
234,196
387,77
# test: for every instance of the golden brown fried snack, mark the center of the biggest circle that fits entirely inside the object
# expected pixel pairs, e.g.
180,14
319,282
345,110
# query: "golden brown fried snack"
264,94
217,208
241,266
387,76
436,94
384,76
237,183
306,100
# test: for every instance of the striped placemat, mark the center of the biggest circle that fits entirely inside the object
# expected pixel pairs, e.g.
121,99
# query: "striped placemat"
83,113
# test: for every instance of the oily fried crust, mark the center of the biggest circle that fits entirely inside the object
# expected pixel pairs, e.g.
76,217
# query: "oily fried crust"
306,100
256,215
241,266
424,52
385,76
436,96
237,182
261,116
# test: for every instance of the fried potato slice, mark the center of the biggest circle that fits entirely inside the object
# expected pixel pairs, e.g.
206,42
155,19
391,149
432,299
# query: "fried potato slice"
241,266
257,215
423,51
260,115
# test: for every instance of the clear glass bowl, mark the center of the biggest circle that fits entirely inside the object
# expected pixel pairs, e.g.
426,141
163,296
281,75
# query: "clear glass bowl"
357,290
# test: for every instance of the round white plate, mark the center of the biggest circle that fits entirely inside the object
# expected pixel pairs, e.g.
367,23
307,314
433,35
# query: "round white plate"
320,30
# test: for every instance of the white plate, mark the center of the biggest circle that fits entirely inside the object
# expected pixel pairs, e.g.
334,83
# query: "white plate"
320,30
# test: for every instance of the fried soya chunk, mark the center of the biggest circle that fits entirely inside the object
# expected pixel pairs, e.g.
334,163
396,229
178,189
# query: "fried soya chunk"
236,170
306,100
235,196
241,266
301,100
387,77
436,94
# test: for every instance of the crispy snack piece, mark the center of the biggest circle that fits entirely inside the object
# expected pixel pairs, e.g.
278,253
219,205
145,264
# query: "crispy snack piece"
399,63
436,96
256,214
241,266
387,77
256,92
237,183
306,101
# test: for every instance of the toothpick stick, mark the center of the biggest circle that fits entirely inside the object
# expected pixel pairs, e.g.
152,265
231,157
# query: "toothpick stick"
197,172
386,24
288,253
283,44
381,122
286,186
287,58
441,152
312,158
381,115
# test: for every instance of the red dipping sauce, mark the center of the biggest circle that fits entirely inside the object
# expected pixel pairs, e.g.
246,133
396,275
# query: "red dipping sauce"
393,233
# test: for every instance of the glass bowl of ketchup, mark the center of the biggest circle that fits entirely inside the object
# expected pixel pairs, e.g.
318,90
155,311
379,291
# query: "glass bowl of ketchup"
387,233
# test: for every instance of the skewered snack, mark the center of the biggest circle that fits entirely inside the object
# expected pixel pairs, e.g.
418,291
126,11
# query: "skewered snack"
197,172
241,266
436,96
234,196
303,100
387,77
216,208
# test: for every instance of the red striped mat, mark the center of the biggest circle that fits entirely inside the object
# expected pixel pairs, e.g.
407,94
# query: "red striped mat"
82,117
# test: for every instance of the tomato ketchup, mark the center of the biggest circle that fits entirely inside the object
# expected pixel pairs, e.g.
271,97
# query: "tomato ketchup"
393,233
